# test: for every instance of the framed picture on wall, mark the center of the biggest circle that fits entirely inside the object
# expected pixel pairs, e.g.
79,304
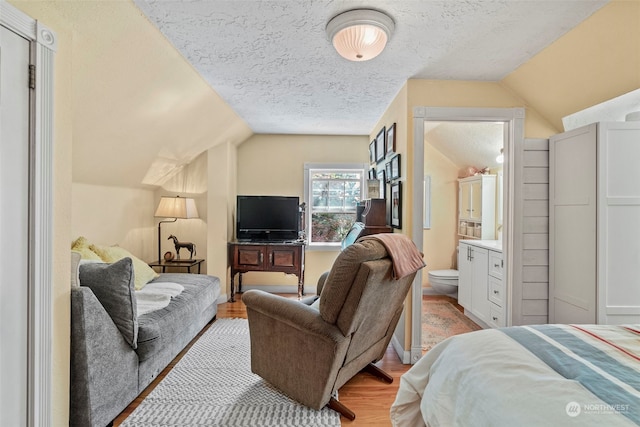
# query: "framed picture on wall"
372,152
395,167
387,168
381,175
391,139
396,204
380,148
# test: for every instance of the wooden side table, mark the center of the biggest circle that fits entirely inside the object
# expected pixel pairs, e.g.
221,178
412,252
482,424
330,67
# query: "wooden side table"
178,263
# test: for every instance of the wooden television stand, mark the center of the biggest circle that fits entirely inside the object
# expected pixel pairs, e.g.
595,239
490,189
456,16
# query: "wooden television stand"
282,257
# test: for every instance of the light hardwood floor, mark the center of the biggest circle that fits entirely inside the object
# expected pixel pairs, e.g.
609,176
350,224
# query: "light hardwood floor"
367,396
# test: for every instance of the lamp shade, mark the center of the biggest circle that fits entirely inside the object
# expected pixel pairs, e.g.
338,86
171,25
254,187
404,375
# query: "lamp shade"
360,34
177,207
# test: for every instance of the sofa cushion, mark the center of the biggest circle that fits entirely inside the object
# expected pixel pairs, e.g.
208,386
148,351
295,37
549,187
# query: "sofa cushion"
81,246
143,273
112,284
158,329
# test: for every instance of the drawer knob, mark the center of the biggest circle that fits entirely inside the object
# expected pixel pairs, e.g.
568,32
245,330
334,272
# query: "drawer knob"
496,292
496,265
495,319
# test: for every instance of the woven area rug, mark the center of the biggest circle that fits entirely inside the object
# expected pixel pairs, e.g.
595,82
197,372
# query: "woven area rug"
212,385
441,320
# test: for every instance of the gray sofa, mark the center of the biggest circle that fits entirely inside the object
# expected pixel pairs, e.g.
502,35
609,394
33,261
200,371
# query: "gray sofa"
116,354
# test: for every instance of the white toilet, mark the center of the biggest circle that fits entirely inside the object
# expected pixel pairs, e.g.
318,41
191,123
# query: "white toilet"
444,282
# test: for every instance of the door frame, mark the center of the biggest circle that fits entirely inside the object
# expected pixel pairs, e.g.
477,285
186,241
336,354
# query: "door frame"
513,118
43,45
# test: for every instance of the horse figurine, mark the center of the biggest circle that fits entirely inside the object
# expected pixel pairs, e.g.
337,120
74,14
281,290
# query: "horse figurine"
179,245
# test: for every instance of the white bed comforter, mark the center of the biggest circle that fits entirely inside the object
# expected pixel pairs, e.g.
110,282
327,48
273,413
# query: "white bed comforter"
566,376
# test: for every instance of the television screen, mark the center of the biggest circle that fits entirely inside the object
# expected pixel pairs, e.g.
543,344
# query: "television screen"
269,218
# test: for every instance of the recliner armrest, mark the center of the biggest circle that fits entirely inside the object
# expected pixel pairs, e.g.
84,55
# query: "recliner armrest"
321,281
292,312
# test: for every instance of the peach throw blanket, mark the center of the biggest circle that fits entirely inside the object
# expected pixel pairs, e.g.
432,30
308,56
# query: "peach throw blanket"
403,252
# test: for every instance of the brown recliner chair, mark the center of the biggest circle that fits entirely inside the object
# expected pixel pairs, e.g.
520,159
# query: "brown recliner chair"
309,352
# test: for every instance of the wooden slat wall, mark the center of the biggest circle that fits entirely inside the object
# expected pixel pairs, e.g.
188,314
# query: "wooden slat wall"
530,290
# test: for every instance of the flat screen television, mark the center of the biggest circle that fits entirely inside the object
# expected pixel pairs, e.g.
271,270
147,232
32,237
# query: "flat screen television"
267,218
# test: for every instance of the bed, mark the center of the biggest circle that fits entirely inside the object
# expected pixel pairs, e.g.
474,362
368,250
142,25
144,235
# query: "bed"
542,375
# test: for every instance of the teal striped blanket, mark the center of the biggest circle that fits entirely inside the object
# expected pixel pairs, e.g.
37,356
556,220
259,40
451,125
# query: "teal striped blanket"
541,375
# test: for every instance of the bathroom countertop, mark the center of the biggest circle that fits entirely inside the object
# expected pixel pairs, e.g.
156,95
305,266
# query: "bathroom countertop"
493,245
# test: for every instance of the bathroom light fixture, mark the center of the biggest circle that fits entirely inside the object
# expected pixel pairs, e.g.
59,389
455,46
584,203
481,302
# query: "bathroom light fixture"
360,34
174,207
500,158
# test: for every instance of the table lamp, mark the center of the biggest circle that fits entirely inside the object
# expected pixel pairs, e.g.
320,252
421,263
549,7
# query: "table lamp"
174,207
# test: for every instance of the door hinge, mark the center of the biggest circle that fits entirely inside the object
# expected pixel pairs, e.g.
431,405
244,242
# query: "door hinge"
32,76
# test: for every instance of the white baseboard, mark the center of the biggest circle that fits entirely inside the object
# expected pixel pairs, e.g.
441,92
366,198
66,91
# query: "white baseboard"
404,355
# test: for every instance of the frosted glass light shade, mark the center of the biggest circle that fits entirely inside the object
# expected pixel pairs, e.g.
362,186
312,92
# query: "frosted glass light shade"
360,34
177,207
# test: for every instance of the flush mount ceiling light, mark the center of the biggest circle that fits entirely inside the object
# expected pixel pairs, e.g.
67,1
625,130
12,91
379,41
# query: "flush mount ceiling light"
360,34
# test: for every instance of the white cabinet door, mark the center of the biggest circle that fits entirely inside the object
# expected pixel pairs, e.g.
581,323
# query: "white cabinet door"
476,200
618,225
480,284
572,226
464,202
465,275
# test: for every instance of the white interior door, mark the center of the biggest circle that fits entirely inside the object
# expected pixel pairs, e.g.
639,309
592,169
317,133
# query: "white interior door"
14,226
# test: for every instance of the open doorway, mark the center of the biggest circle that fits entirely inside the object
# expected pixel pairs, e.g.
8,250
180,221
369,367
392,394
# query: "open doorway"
513,133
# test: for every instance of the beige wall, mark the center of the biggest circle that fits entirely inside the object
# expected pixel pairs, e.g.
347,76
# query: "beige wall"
596,61
440,240
221,203
114,216
274,165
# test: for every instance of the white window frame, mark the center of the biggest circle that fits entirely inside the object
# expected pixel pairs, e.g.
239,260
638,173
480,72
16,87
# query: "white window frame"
308,167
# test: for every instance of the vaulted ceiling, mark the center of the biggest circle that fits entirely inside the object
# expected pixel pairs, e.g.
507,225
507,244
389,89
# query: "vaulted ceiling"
143,109
272,62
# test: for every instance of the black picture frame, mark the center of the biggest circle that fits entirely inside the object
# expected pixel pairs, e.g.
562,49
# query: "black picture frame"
395,167
395,195
382,177
372,173
387,168
391,140
372,152
380,147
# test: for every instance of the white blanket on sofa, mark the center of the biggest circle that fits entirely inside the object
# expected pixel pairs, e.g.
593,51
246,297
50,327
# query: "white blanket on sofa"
156,295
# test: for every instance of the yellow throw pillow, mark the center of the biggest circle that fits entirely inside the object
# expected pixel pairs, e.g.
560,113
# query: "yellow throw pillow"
141,270
81,245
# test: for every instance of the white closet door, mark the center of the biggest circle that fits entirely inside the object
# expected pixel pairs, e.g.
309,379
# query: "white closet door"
572,226
14,221
618,223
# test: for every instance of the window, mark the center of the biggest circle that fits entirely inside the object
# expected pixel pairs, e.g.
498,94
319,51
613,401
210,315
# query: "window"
332,193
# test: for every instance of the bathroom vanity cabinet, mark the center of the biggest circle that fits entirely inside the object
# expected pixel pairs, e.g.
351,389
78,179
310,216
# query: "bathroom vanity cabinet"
480,284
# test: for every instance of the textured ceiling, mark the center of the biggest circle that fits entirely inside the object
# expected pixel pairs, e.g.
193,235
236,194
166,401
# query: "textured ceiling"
272,63
467,144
